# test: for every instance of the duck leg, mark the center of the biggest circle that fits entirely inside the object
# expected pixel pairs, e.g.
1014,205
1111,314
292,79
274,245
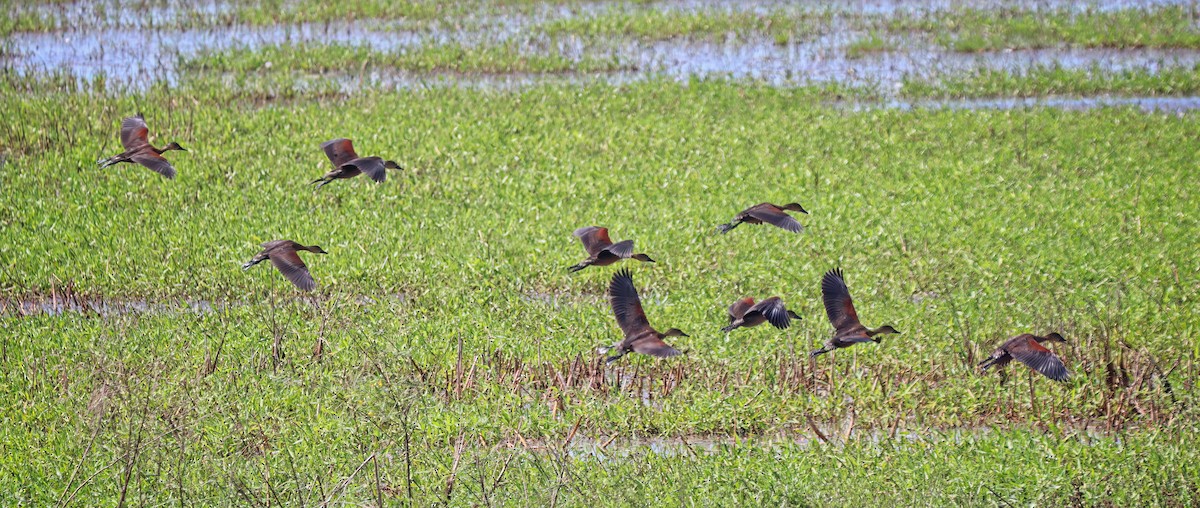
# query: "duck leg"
257,259
724,228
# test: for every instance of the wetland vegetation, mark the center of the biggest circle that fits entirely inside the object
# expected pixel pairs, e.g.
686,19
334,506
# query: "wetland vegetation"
448,356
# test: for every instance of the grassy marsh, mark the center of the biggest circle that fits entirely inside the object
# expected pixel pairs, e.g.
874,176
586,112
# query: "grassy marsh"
266,12
450,331
1043,81
991,30
447,356
872,43
27,22
662,25
496,59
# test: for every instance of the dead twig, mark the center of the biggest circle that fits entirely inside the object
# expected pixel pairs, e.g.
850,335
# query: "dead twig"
346,482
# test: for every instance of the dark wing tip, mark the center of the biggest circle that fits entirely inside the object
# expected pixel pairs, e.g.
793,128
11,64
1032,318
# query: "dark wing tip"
622,275
305,284
1053,368
833,282
791,225
776,313
1040,359
371,166
621,284
665,352
156,163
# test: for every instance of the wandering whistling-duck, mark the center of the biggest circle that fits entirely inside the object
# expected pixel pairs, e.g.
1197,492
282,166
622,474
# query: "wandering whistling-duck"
746,313
769,213
601,249
640,337
135,136
847,330
1029,350
283,254
347,163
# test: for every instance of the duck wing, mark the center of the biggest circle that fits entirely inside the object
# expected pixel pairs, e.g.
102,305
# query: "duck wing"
838,304
134,132
372,166
340,151
622,249
155,162
1037,357
776,313
594,239
291,266
654,346
626,305
739,308
771,214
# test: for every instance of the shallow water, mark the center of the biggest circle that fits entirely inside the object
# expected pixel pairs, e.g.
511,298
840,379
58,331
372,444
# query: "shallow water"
147,55
128,51
116,13
824,60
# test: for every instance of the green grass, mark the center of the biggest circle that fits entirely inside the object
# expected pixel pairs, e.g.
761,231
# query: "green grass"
663,25
26,17
1044,81
454,13
872,43
269,12
448,320
990,30
497,59
25,21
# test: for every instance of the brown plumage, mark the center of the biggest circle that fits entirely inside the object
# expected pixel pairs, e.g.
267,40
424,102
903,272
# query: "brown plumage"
283,254
601,249
135,137
640,337
746,313
848,331
768,213
347,163
1028,349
